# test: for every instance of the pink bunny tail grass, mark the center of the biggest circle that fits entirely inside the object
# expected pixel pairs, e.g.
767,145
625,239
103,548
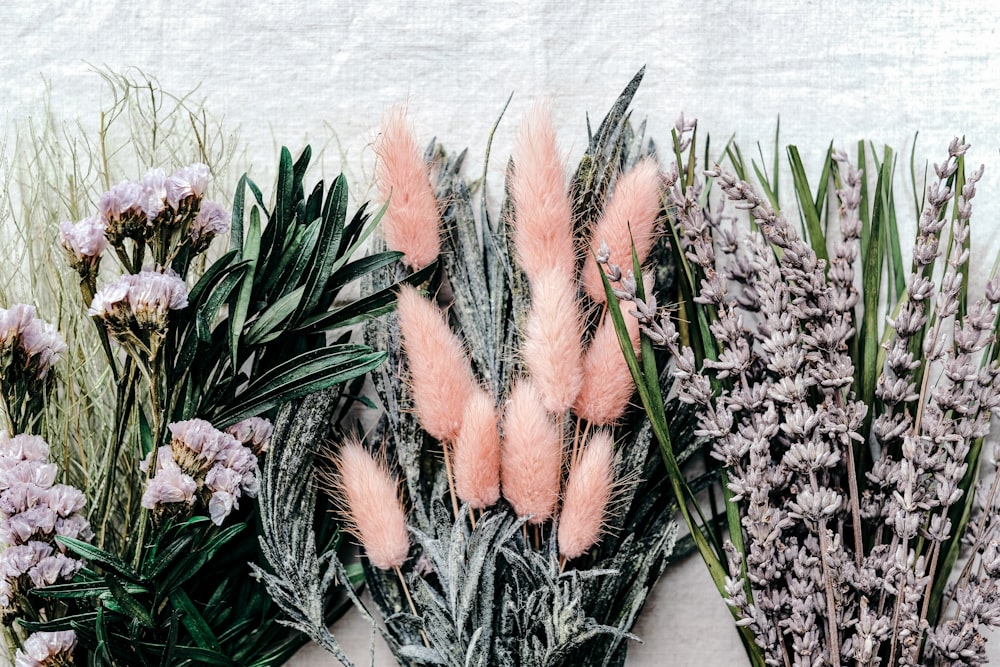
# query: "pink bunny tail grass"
372,507
635,205
587,497
440,373
552,348
607,382
411,223
543,213
477,452
531,455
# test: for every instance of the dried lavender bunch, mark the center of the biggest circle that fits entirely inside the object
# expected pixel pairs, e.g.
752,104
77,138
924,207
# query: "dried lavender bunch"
845,513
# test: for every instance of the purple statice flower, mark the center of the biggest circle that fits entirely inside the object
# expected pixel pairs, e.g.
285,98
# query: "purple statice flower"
121,213
34,344
254,432
33,512
216,461
110,299
84,241
139,303
152,294
21,448
186,182
198,439
211,221
153,195
47,649
170,484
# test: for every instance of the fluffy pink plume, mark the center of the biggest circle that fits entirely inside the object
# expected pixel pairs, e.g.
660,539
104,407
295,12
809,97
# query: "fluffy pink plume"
374,511
477,452
531,455
543,213
635,205
411,222
553,347
588,493
440,373
607,382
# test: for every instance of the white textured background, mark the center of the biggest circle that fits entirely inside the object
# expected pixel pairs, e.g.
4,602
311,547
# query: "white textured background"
288,72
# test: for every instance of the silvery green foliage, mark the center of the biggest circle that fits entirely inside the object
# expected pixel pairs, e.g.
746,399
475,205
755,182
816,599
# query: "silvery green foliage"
484,596
302,579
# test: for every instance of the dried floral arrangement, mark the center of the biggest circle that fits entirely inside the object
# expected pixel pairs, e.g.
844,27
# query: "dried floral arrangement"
850,450
130,449
511,504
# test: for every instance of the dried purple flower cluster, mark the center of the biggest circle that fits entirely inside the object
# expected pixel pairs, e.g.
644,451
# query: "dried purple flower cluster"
28,345
47,649
136,209
28,349
33,511
206,465
165,215
136,307
827,574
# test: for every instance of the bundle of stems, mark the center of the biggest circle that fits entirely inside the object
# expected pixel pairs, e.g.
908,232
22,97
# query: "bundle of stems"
178,353
849,450
509,450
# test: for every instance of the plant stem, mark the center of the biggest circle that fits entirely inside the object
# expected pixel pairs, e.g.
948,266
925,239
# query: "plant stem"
413,607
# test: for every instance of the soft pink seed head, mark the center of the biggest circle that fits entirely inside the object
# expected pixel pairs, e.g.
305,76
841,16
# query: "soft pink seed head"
635,205
587,496
477,452
552,348
373,509
607,382
543,213
531,455
411,223
440,373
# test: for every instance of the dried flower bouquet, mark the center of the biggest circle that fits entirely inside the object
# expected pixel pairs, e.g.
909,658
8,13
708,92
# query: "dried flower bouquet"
850,452
513,509
148,561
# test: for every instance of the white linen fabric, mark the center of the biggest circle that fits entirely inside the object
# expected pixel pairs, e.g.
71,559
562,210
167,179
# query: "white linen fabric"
288,72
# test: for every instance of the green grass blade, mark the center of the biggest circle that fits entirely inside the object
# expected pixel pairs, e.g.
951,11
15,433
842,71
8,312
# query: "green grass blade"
807,206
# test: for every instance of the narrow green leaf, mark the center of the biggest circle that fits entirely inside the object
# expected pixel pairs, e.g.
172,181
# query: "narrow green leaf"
128,603
59,624
238,308
282,392
807,206
97,556
193,621
205,313
236,222
267,323
871,279
324,258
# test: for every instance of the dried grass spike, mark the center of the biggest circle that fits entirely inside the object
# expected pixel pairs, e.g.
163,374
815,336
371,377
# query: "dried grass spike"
411,223
440,372
607,382
531,455
374,513
588,494
477,452
543,213
553,346
634,205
